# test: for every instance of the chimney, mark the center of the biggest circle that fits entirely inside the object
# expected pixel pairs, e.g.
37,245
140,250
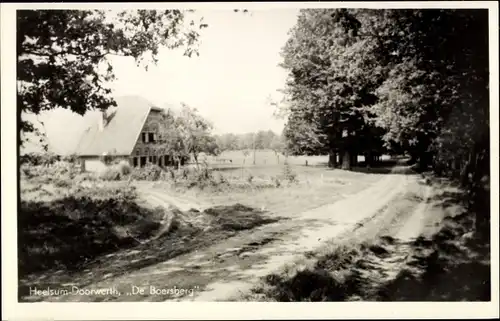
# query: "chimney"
101,120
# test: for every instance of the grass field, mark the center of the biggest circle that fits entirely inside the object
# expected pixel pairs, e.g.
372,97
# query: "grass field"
271,185
264,158
71,222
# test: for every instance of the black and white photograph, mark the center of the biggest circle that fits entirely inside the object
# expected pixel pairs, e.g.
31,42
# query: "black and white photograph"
300,153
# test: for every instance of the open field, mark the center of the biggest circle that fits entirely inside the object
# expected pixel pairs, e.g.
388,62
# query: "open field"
115,221
256,186
264,158
341,251
266,230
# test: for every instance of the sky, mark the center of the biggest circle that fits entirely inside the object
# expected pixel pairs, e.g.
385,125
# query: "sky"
229,83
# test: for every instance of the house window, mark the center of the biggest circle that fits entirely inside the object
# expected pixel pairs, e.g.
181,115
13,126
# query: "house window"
154,159
146,151
138,151
151,137
143,161
150,159
144,138
136,161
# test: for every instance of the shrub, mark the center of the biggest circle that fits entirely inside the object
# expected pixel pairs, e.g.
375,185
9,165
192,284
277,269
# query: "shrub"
111,174
289,174
70,158
149,173
222,179
185,173
250,178
62,183
124,168
276,181
171,173
36,159
66,232
205,173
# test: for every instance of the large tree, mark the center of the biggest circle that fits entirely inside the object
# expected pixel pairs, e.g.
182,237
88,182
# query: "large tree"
417,77
186,133
62,54
330,79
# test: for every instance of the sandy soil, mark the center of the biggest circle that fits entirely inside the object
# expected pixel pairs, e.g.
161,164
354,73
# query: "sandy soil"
227,270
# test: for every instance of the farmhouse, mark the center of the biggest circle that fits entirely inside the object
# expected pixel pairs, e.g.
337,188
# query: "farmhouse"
128,132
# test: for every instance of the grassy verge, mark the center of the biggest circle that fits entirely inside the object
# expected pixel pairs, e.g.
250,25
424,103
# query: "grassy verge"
76,228
450,265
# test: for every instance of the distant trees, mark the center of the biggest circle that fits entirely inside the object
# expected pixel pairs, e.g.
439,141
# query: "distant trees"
264,139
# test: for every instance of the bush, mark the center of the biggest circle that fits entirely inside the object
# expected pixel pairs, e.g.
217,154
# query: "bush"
171,172
185,173
111,174
250,178
67,232
70,158
124,168
223,179
289,174
36,159
149,173
46,174
276,181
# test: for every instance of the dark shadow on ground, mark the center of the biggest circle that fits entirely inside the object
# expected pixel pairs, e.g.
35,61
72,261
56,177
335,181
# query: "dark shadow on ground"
452,265
456,269
84,250
383,167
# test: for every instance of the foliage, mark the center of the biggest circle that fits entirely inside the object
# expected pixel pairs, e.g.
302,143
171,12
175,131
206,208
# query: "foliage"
277,181
187,133
35,159
150,172
63,54
111,173
70,158
124,168
289,174
330,78
360,78
67,232
261,139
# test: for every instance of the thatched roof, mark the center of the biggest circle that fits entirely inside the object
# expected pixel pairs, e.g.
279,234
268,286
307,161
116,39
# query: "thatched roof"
121,130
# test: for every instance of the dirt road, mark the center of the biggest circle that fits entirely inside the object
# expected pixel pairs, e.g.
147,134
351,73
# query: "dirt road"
229,269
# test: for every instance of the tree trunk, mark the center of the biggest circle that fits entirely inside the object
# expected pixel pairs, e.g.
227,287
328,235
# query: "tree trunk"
354,159
332,159
369,159
346,160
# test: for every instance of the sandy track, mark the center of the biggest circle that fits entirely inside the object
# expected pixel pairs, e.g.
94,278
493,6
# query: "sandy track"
227,270
323,223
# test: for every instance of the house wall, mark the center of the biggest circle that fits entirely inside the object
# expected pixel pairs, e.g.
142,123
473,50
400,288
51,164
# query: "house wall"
150,150
93,164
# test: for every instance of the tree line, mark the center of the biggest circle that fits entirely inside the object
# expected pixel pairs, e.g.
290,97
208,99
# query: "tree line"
412,81
262,139
361,81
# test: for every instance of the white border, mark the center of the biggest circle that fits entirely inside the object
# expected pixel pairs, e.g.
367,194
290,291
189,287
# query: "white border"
186,310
